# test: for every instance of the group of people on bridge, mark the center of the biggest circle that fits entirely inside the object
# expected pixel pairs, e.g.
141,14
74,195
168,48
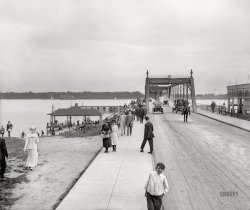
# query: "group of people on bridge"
156,185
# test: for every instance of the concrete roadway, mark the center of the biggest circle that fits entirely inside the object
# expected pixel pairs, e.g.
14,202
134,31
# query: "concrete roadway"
207,162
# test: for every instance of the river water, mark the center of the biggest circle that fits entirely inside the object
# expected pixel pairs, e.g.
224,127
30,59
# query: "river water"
24,113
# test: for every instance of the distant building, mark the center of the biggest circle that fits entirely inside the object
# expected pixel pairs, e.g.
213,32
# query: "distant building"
239,98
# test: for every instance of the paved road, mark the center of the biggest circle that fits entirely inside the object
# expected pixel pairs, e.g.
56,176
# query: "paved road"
206,160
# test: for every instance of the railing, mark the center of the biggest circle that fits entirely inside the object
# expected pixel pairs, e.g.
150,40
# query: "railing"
218,109
170,76
223,111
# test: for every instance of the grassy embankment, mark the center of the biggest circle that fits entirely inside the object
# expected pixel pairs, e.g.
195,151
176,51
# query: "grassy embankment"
18,178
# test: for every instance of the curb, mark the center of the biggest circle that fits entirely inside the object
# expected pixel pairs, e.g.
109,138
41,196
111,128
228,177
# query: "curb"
223,122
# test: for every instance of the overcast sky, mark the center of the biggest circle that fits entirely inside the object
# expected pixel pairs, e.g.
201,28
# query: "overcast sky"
107,45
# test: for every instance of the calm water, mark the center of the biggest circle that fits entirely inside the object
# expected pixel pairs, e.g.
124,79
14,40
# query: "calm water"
24,113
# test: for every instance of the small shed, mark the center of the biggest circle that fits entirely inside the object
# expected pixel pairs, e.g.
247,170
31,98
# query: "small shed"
74,111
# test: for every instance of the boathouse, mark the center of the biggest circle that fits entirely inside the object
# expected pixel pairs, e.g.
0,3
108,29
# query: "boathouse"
239,99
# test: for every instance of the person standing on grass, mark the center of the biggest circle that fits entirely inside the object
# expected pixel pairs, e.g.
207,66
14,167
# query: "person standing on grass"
31,146
114,135
148,135
3,154
129,122
156,187
9,128
2,131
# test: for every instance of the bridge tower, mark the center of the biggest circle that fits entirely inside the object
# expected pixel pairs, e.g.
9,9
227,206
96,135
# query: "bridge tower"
176,86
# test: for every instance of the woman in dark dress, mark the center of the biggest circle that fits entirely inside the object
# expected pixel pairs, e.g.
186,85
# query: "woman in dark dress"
105,133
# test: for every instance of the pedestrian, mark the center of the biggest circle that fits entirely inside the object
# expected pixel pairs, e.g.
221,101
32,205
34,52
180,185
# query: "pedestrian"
114,135
213,106
185,113
122,123
105,133
224,109
129,123
9,128
31,141
137,113
148,135
23,134
3,154
189,108
2,131
156,187
141,114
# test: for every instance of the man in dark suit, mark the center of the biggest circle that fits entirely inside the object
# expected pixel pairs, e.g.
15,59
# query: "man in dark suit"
141,114
3,154
148,135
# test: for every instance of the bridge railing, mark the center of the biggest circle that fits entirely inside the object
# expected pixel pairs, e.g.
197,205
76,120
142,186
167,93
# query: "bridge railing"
170,76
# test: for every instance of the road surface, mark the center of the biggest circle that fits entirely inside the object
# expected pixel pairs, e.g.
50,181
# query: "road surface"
207,162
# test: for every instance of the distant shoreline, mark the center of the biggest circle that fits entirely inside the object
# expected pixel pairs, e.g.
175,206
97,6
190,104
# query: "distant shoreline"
67,99
91,96
72,95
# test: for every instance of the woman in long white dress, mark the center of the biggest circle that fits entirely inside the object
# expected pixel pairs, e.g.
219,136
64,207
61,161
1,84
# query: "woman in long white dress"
31,141
122,123
114,135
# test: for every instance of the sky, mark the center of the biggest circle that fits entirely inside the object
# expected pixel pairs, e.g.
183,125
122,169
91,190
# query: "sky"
108,45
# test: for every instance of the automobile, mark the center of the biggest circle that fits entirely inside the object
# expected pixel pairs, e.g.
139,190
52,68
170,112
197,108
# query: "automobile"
157,107
178,105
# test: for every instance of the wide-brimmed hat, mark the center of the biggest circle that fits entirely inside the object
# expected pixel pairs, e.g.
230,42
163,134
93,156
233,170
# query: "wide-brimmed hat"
33,128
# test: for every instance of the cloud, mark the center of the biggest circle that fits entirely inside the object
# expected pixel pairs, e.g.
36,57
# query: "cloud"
108,45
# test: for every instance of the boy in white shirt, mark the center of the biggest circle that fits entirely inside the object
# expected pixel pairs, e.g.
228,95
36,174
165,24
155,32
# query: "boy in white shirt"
156,187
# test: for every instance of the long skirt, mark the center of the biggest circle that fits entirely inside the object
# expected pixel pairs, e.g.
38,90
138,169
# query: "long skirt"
32,158
114,138
107,142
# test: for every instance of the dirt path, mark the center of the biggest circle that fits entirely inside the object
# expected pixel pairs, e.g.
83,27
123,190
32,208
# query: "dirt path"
207,162
61,161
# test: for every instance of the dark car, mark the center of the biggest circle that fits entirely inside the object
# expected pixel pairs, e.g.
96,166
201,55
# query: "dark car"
178,105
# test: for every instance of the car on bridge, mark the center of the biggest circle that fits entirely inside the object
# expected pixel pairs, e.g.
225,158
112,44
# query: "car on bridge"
157,108
178,105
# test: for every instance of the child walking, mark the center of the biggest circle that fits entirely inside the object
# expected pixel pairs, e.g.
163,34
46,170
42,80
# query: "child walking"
156,187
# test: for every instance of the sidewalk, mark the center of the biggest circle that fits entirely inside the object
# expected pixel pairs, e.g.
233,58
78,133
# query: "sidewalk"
114,180
239,123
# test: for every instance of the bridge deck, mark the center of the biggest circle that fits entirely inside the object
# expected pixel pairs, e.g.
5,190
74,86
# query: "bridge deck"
207,162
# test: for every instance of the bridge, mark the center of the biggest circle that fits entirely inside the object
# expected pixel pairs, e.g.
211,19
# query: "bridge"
175,86
207,159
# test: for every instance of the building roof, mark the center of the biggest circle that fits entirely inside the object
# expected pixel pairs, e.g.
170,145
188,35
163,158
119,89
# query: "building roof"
75,111
247,85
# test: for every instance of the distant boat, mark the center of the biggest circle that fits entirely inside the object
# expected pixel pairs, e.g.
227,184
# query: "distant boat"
51,97
115,98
